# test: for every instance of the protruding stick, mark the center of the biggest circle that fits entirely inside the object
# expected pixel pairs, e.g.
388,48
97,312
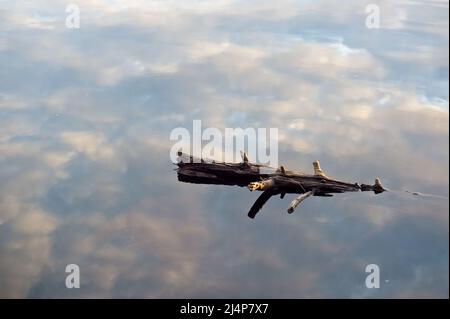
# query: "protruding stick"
262,199
262,185
244,157
317,170
378,188
297,201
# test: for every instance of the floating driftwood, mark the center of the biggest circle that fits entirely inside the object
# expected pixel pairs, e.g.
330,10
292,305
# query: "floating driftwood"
271,182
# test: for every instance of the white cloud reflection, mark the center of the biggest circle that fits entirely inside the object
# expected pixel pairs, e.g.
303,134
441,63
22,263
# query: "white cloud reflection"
85,118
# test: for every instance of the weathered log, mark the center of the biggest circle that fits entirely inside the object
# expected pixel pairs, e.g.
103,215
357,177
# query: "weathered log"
293,205
270,181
